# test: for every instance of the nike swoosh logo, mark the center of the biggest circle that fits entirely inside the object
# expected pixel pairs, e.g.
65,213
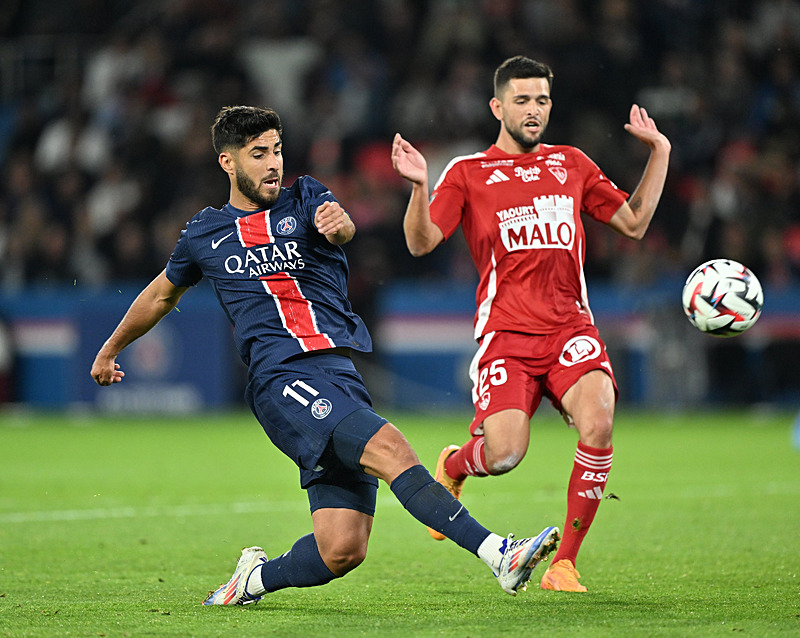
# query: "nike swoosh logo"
453,517
216,242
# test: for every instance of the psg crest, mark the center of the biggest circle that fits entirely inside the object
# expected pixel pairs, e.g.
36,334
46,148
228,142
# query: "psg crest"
286,226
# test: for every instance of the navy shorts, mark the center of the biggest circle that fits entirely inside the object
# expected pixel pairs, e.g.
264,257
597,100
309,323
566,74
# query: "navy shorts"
318,412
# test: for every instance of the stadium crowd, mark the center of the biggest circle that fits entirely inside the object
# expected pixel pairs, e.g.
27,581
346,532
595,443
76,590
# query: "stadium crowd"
106,107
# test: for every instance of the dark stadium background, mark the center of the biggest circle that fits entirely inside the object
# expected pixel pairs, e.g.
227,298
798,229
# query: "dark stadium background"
105,108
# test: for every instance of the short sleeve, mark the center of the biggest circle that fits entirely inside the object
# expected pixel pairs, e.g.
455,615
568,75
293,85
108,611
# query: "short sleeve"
182,268
447,203
313,194
601,197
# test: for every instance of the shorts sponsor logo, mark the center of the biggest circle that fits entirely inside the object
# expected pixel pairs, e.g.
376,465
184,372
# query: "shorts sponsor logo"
579,349
321,408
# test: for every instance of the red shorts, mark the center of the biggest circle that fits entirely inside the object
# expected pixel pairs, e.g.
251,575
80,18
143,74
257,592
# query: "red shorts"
514,370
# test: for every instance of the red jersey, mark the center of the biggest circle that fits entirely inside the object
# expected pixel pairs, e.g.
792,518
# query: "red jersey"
520,215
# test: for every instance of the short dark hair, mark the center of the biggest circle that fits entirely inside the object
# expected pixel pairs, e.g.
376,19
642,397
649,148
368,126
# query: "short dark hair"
520,67
235,126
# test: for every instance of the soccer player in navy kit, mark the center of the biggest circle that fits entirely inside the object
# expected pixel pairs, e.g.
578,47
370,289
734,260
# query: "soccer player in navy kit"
274,259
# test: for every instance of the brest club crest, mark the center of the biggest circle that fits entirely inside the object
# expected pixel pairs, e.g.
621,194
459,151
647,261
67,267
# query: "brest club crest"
560,173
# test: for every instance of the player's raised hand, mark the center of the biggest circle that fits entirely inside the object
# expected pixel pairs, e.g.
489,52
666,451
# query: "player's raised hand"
408,161
106,371
643,128
332,221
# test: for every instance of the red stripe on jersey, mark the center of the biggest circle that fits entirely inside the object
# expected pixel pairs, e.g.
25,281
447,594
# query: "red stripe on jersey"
254,230
297,312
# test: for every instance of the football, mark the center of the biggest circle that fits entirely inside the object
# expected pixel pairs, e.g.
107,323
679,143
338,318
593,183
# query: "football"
722,298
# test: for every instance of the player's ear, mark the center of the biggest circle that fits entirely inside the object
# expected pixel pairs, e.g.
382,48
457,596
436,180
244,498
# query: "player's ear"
497,108
227,162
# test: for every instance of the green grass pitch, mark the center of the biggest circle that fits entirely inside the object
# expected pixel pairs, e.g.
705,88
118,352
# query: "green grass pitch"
120,526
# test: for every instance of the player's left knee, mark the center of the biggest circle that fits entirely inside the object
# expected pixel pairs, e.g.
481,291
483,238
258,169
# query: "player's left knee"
345,557
597,431
500,464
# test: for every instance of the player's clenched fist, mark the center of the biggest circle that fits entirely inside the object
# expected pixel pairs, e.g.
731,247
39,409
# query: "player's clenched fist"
105,371
332,221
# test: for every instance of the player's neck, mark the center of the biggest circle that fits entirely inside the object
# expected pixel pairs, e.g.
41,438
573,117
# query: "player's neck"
241,202
507,144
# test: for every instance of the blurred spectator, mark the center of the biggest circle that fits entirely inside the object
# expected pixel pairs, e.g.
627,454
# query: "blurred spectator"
72,140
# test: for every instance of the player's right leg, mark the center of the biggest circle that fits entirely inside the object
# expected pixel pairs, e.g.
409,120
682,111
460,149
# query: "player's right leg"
505,393
497,451
589,402
389,457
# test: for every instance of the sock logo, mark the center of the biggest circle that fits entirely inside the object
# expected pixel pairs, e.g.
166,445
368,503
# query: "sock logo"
596,493
598,467
453,517
600,477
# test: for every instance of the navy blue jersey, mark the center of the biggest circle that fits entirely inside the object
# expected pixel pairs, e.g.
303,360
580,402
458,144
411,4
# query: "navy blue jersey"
282,284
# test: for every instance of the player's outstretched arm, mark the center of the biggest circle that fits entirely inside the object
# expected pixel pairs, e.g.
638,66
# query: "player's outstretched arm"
633,217
152,304
333,221
422,235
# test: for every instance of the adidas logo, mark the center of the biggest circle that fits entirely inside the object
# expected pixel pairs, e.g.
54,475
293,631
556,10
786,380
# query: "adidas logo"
595,493
497,176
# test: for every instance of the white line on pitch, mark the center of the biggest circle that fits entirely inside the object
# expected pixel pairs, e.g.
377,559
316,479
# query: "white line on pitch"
211,509
174,511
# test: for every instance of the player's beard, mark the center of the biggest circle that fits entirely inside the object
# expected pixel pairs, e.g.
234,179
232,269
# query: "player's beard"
524,141
249,189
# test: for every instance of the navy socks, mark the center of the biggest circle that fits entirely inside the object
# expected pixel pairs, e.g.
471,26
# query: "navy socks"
425,499
431,504
301,566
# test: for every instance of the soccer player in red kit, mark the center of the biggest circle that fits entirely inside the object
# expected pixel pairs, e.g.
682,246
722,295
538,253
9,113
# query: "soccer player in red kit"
519,204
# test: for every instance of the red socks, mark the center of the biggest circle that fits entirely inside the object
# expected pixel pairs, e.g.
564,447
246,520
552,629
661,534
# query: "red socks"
470,460
586,485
